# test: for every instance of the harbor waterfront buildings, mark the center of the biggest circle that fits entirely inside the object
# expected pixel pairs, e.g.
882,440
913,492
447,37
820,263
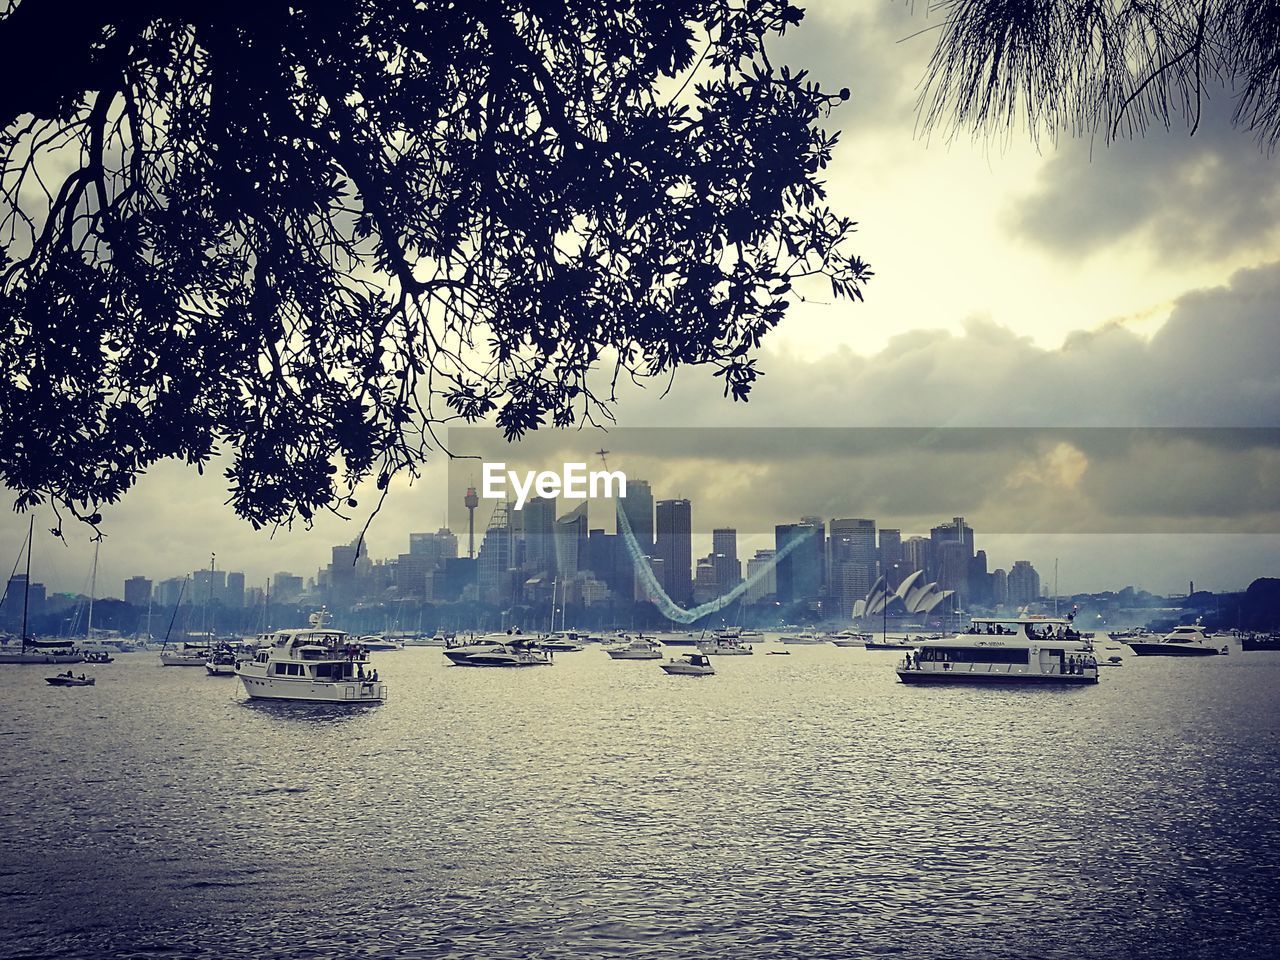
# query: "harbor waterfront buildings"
547,565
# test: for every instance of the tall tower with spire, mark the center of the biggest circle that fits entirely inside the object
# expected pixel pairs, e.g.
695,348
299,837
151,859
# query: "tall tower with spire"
472,501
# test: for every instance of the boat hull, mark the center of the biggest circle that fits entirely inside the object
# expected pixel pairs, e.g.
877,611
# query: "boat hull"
312,691
41,658
984,679
634,654
179,660
220,669
1172,650
681,670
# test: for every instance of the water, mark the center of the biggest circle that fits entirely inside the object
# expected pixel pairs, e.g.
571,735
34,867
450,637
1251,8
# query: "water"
800,806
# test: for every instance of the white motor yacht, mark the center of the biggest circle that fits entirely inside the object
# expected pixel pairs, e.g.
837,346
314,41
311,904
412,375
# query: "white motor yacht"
639,648
851,638
563,641
221,661
807,636
1026,650
1186,641
720,646
316,665
690,665
497,650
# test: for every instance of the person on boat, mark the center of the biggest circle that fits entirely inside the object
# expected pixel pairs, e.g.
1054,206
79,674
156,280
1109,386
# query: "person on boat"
374,676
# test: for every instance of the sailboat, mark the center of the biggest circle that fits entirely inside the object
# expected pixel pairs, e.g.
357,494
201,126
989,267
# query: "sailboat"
29,649
181,654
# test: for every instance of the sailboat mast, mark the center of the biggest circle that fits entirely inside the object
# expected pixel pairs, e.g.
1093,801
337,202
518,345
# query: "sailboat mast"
26,589
93,591
181,590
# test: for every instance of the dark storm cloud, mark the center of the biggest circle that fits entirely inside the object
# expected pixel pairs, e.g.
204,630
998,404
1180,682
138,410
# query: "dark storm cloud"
1207,373
1201,196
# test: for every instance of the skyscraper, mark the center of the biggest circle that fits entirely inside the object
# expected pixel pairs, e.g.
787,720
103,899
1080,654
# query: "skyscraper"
852,549
1023,583
799,573
892,567
674,547
539,534
724,557
493,576
571,536
767,585
638,506
137,591
233,596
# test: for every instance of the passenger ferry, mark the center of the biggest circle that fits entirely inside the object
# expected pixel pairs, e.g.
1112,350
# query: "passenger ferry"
1029,650
315,664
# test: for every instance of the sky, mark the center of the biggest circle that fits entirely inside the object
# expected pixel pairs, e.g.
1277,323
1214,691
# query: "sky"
1069,284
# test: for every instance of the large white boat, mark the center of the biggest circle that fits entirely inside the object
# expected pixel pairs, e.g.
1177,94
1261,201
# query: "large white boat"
185,653
1186,641
314,664
1028,650
851,638
638,648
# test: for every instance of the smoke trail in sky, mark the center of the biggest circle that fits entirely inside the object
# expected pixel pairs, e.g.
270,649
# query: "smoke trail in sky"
672,610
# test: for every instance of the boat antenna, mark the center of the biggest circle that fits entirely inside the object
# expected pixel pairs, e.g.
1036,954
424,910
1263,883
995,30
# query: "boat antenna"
26,589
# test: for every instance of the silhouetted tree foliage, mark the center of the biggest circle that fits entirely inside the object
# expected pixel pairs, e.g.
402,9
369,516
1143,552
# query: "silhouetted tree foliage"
1110,65
302,233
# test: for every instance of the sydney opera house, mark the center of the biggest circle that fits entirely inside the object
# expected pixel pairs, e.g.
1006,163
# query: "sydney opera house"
912,598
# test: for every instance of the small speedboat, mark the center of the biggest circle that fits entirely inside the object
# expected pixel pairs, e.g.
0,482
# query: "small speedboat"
67,680
690,665
779,653
98,656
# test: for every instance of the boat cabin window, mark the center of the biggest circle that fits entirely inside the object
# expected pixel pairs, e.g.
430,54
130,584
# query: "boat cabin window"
977,654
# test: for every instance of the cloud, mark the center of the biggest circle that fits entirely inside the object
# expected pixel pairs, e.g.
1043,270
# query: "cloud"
1187,197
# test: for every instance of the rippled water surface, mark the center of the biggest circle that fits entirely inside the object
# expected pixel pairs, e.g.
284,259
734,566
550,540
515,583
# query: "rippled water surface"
799,806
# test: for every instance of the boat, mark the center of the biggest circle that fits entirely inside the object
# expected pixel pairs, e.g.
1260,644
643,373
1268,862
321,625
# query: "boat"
719,646
778,653
851,638
564,641
185,653
807,636
377,643
221,661
1188,640
30,650
98,656
1130,634
316,664
41,651
1260,641
1021,650
894,643
639,648
690,665
681,639
498,650
68,680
